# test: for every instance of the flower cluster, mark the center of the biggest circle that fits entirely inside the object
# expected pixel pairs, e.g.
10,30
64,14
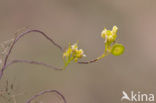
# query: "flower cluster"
111,46
73,53
109,36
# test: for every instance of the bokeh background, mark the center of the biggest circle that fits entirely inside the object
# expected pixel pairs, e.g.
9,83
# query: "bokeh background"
71,20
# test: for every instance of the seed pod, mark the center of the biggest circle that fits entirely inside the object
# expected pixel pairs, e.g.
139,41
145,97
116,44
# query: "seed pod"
117,49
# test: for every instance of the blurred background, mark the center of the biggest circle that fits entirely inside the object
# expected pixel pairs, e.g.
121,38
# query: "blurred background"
71,20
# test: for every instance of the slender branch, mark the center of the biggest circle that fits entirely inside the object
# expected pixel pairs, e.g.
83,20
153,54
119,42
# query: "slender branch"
88,62
33,62
94,60
44,92
15,41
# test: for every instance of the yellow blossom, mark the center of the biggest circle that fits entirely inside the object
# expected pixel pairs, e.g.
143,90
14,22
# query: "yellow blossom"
109,35
73,53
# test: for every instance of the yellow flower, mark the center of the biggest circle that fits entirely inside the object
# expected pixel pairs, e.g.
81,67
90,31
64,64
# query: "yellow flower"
114,30
74,46
67,53
73,53
108,35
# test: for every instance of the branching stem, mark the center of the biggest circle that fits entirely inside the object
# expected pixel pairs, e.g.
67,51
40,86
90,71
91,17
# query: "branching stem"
15,41
5,65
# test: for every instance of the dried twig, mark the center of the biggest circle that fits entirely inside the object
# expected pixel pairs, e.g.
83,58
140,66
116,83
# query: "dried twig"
15,41
5,65
33,62
45,92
